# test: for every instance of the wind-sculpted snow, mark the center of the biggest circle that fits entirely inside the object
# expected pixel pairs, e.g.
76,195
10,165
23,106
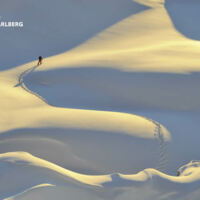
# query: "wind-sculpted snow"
52,27
44,174
85,151
115,116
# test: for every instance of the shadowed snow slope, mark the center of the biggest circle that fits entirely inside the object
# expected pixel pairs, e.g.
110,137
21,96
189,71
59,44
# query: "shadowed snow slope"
112,89
95,121
185,16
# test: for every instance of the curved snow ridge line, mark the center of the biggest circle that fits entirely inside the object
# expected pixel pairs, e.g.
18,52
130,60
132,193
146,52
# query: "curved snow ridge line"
44,185
163,160
23,86
24,159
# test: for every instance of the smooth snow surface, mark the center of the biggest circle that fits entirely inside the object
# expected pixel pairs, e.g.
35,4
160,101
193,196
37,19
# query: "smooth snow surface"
114,110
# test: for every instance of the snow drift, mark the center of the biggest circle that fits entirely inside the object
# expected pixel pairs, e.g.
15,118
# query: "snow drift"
95,121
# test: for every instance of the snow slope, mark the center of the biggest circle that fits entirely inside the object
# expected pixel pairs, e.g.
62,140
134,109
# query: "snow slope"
23,167
48,25
114,115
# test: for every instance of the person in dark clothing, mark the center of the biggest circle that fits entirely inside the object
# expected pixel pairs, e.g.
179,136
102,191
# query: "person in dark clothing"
40,60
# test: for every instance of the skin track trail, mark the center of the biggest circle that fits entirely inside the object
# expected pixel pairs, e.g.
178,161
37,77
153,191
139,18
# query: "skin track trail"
23,86
163,157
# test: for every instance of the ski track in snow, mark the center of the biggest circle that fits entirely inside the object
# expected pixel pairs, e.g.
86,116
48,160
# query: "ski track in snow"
23,86
163,157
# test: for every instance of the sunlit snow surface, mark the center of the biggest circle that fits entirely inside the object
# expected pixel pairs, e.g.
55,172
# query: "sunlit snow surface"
114,110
